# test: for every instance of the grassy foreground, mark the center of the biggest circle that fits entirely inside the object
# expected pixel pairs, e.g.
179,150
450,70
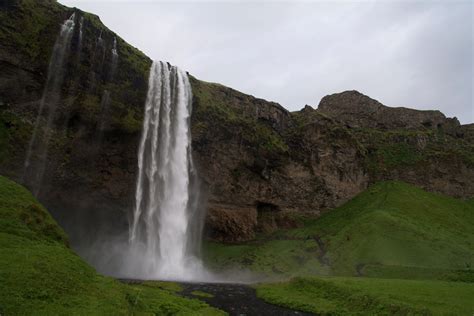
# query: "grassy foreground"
40,275
398,235
371,296
391,230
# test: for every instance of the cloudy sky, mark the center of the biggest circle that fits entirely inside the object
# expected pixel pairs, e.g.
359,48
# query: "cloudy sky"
402,53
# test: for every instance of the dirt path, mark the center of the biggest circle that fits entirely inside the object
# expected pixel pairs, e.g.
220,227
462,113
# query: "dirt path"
235,299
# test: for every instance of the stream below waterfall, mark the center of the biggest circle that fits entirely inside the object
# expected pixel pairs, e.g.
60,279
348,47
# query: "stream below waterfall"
235,299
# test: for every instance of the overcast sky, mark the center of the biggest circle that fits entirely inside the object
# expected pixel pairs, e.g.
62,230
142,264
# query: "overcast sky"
405,53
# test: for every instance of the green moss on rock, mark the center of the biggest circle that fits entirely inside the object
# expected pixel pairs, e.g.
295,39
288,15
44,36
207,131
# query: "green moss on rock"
388,149
217,107
14,135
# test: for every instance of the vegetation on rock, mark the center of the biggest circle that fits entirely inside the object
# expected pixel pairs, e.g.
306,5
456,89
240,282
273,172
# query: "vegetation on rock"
411,148
229,109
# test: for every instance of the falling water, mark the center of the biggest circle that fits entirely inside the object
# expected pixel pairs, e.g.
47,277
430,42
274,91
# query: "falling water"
114,48
165,220
104,109
97,61
79,45
37,152
113,63
100,41
105,99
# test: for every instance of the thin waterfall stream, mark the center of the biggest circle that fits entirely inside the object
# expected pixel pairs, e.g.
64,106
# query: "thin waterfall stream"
37,152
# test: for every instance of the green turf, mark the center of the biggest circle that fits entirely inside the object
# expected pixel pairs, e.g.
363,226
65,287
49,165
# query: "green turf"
393,229
40,275
202,294
371,296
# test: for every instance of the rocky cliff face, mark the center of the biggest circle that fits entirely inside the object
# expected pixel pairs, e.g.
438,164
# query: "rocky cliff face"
260,164
359,111
91,163
420,147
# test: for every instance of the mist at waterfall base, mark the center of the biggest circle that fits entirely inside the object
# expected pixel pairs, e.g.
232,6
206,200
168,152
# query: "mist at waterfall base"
164,234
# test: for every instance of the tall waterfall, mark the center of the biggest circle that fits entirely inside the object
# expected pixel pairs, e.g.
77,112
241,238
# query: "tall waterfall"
166,224
35,162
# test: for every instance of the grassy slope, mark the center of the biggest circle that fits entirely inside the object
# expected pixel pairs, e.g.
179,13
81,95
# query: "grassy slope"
370,296
391,230
40,275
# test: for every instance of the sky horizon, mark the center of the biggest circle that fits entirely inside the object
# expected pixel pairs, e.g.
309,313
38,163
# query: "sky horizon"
415,54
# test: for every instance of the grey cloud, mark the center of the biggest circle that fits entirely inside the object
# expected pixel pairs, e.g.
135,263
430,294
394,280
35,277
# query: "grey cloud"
406,53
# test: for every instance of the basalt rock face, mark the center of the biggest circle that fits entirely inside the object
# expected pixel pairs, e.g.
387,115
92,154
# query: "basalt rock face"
260,165
420,147
357,110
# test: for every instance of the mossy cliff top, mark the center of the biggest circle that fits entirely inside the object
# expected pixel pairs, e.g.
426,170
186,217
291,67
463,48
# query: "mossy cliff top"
28,31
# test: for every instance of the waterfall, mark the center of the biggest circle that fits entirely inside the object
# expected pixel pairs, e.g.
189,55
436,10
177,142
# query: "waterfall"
104,109
100,41
105,99
113,63
166,221
114,49
79,45
37,152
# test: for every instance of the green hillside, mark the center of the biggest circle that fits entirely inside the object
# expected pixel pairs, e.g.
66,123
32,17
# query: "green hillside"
391,230
371,296
40,275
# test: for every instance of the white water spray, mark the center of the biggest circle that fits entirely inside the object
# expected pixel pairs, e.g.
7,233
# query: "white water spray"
165,224
38,147
79,45
100,41
113,64
114,49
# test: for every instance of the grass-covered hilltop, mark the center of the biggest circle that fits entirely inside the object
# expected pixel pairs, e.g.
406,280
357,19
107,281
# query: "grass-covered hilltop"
348,208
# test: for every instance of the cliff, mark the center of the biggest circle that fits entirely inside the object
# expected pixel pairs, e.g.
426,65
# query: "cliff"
420,147
259,163
356,110
91,164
